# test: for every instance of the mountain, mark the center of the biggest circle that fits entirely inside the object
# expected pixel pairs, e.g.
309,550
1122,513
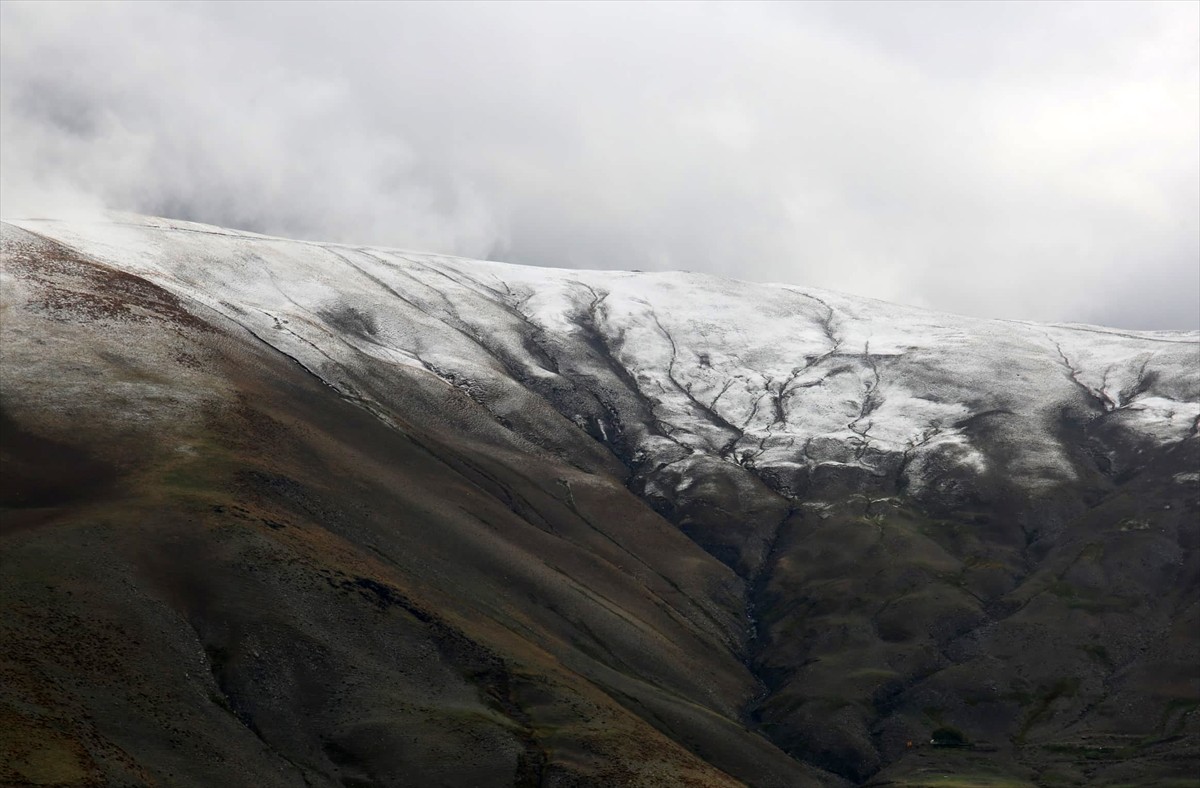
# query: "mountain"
287,513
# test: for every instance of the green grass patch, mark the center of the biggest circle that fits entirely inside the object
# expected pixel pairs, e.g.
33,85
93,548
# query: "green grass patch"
1088,752
947,736
949,777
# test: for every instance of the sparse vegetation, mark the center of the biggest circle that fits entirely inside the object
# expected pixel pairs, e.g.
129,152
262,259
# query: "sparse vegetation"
274,548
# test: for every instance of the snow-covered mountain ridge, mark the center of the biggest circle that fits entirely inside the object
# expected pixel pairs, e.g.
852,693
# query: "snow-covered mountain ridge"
684,369
852,524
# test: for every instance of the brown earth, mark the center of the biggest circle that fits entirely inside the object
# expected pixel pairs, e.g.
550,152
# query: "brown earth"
215,570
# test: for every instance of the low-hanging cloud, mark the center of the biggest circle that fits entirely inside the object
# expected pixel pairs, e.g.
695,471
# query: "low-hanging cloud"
1034,161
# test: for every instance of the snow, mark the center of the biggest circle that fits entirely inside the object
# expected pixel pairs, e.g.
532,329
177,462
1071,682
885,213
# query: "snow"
774,376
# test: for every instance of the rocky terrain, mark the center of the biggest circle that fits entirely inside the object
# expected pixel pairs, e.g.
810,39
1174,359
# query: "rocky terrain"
287,513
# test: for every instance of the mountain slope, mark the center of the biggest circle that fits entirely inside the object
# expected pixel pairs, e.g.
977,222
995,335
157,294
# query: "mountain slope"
331,515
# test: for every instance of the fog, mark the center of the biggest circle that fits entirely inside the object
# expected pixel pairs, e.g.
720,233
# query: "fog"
1021,160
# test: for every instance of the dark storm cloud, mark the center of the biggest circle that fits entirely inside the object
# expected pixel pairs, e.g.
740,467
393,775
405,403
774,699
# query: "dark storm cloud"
1027,160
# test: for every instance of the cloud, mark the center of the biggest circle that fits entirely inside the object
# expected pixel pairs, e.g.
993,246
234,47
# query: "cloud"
1033,161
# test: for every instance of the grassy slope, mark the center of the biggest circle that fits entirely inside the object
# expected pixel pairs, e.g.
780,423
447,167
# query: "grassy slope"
260,582
214,570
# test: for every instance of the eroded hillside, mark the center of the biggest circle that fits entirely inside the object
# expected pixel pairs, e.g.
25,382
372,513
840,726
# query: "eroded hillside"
293,513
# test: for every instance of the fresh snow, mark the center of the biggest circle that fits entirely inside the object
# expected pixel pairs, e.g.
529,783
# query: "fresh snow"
780,378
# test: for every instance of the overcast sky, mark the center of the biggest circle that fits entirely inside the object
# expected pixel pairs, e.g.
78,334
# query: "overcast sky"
1029,160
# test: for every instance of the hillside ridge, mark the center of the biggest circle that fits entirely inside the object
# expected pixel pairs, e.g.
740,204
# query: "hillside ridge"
771,535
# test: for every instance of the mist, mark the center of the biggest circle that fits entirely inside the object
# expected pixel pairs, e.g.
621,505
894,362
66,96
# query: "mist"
1021,160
